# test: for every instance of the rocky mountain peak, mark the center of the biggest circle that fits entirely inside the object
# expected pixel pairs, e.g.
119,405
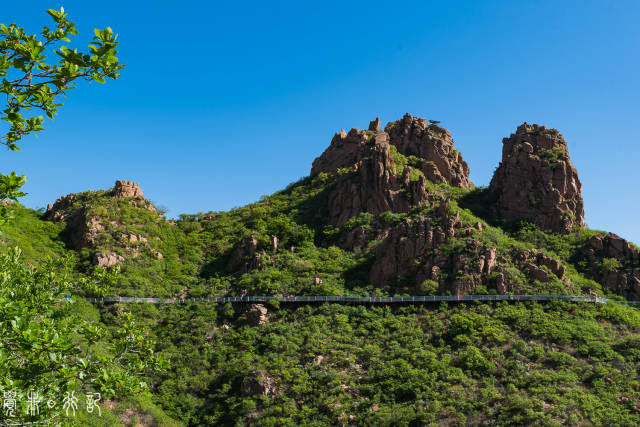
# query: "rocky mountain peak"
388,170
536,180
412,136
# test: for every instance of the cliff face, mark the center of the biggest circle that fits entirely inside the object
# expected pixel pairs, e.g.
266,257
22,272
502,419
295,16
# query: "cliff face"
536,180
372,183
399,170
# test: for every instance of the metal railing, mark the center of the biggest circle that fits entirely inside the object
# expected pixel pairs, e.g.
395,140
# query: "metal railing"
362,300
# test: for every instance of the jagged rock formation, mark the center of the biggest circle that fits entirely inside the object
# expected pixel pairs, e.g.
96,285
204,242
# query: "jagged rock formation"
536,180
124,189
622,277
372,175
410,241
412,136
372,185
413,251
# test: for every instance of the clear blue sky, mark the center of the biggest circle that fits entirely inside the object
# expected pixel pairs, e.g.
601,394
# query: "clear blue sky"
222,102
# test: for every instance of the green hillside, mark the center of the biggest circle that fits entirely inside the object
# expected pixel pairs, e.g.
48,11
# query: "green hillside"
374,218
502,363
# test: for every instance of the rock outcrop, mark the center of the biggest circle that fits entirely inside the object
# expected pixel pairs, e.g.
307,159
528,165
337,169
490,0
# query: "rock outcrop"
257,383
536,180
413,254
409,242
244,256
82,229
107,260
372,172
622,275
124,189
412,136
372,184
256,314
85,224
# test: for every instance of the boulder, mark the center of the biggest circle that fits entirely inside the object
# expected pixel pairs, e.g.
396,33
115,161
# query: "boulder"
256,314
257,383
107,260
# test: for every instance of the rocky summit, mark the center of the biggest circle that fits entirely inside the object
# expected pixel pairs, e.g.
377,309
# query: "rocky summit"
387,170
537,182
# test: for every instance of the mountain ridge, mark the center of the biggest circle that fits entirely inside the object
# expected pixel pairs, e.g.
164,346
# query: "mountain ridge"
401,198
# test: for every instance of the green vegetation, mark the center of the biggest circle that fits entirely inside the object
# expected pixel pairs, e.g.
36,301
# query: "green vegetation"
552,155
610,265
39,85
51,344
514,364
509,363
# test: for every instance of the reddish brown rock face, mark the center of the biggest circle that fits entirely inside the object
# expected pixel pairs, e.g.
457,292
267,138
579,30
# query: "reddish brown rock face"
124,189
373,183
408,242
413,137
537,182
625,279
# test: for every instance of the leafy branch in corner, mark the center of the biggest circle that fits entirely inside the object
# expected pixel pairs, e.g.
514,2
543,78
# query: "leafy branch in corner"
35,83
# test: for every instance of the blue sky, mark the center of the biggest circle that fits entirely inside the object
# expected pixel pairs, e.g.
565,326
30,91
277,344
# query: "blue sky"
222,102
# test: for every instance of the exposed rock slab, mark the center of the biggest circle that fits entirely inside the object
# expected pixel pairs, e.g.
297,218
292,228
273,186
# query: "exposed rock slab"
107,260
